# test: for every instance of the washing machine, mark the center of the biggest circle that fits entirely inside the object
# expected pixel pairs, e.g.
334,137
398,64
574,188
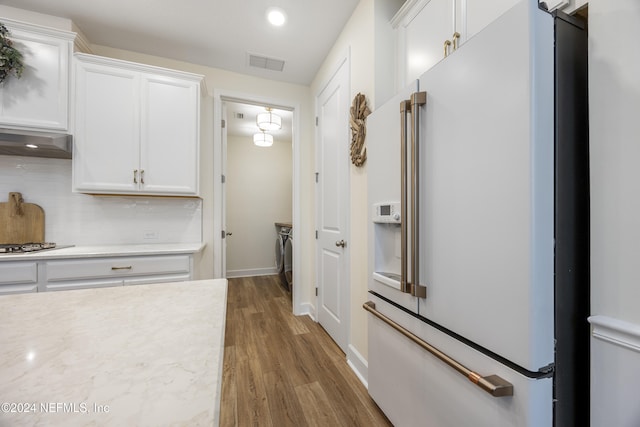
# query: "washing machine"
281,239
288,260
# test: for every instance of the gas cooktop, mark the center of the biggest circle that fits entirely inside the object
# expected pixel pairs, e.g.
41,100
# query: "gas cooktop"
21,248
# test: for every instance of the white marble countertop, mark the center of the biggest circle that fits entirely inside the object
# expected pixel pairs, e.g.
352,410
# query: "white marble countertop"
106,251
122,356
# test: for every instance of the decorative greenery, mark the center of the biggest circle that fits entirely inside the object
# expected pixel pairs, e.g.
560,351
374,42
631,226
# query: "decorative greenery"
10,57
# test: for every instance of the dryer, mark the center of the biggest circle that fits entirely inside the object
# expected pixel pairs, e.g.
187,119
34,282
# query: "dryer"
288,260
281,239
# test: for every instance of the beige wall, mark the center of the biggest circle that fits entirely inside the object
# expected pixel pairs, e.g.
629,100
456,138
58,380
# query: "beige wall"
259,189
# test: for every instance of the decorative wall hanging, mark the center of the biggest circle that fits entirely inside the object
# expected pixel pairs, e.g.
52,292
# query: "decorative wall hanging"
10,57
359,113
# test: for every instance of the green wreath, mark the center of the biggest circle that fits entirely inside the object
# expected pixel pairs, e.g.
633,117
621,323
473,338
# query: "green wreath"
10,57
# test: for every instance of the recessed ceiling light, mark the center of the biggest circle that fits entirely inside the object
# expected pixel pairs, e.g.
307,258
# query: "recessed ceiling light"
276,16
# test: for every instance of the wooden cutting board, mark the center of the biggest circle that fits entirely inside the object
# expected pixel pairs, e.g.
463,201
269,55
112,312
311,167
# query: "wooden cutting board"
21,222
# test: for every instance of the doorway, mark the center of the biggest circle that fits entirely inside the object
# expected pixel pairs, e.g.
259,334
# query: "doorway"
258,190
222,114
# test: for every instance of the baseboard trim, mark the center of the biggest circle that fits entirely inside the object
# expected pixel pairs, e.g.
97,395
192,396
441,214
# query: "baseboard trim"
252,272
358,364
306,308
619,332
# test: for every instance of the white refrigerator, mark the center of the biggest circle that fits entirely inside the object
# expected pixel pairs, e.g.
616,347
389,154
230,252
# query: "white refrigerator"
479,232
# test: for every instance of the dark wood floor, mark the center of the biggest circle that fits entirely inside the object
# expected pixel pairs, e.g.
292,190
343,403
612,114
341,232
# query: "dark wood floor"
283,370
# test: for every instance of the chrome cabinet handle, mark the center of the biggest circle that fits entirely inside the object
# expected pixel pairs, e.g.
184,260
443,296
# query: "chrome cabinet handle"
129,267
492,384
341,243
142,176
135,176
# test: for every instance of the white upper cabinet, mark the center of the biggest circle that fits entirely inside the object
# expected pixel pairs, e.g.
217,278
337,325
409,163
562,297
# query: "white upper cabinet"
429,30
40,98
424,26
137,129
168,156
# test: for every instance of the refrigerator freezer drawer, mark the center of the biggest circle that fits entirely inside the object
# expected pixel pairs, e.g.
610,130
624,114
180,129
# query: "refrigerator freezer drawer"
413,387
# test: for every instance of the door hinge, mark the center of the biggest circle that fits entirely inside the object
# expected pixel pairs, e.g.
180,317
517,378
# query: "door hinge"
224,124
316,234
316,120
223,234
316,291
224,179
317,173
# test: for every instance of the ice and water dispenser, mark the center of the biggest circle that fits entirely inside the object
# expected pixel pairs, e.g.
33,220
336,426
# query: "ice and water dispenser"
387,220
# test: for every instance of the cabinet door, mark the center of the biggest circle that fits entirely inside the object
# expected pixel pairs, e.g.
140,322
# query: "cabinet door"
40,98
424,31
106,150
170,135
18,277
473,16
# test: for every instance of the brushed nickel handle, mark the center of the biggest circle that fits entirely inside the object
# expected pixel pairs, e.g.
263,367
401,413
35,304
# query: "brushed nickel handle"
492,384
129,267
456,40
417,99
142,176
447,43
405,107
341,243
135,176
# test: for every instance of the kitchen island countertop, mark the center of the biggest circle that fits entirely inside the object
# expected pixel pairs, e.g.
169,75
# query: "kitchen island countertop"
132,355
84,251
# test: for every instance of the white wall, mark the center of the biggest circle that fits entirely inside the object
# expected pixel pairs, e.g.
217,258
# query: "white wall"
81,219
259,190
614,91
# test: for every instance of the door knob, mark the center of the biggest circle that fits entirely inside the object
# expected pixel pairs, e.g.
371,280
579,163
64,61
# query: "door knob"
341,243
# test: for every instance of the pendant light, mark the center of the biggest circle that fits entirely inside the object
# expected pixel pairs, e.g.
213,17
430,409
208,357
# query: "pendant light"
262,139
268,121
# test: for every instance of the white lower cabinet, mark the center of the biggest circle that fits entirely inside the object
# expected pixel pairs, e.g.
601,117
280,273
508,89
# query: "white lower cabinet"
18,277
116,271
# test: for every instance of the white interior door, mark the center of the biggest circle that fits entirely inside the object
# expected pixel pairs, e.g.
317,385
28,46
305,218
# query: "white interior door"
224,189
332,204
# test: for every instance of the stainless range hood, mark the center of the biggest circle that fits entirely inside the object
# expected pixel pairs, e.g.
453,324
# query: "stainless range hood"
35,144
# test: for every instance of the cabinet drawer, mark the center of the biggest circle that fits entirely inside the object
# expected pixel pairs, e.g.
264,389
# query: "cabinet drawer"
83,284
18,273
116,267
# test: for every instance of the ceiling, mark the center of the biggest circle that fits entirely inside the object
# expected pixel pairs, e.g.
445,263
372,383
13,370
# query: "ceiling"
214,33
245,125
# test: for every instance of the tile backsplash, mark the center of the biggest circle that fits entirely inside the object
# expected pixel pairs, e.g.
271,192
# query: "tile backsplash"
81,219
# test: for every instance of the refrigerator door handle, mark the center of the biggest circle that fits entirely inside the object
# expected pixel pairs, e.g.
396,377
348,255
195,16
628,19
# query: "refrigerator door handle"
405,107
492,384
418,99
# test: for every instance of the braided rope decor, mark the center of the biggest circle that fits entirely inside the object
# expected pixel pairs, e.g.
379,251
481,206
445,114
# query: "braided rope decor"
359,113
